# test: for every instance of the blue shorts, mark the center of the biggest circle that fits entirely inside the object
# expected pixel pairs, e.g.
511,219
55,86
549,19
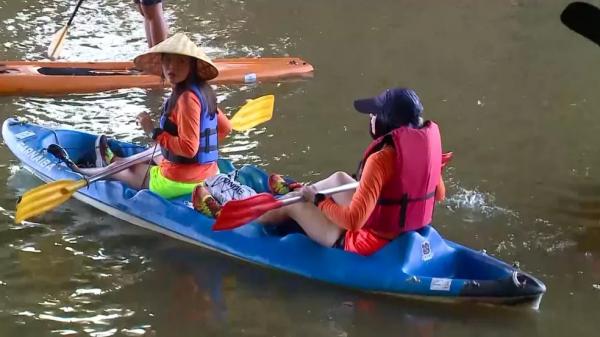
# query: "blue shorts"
147,2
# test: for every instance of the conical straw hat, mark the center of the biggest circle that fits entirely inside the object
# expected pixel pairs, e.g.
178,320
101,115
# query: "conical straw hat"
150,61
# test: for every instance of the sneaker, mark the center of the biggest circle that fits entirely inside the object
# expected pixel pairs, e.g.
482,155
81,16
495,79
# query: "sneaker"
59,153
279,185
104,155
204,202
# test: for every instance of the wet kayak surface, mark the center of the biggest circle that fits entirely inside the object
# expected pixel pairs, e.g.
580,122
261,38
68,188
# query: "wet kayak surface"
513,90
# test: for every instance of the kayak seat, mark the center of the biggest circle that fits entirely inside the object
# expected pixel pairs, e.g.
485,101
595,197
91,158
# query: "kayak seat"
77,148
422,253
255,177
81,148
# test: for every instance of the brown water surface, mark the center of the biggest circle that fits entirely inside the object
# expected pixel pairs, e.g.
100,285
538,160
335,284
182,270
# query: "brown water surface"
515,94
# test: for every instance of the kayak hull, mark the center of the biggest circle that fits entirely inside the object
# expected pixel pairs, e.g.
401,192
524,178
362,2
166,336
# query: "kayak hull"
55,78
418,264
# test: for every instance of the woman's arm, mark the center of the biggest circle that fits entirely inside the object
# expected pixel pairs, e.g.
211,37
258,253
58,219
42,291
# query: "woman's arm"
187,117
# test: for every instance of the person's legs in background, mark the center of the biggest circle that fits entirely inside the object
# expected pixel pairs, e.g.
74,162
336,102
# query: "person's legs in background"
154,21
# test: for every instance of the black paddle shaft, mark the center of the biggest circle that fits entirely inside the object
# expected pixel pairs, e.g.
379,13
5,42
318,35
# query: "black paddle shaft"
74,12
583,18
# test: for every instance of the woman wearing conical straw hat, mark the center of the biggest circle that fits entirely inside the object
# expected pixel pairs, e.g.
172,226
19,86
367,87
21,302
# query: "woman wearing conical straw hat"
190,126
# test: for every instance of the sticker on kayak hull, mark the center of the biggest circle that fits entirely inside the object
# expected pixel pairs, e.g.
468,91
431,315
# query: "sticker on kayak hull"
24,135
250,78
426,253
440,284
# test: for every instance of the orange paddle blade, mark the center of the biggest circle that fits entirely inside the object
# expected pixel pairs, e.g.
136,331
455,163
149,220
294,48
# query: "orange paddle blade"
237,213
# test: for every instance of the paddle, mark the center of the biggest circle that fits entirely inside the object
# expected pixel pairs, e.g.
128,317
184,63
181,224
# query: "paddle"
254,112
46,197
59,37
583,18
237,213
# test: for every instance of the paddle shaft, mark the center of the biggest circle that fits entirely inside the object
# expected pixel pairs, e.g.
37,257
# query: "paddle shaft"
325,192
130,161
74,12
57,41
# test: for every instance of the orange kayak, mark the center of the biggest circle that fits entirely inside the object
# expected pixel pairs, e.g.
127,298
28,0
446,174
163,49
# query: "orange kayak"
48,78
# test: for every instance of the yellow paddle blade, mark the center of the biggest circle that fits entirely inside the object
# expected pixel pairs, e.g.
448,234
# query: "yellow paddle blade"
46,197
58,39
254,112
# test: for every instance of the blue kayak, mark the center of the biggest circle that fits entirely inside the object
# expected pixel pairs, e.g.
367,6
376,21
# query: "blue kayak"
418,264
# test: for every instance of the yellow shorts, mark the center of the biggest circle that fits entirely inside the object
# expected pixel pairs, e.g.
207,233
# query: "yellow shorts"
168,188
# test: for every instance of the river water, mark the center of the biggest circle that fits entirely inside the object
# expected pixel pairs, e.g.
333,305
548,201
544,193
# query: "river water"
515,94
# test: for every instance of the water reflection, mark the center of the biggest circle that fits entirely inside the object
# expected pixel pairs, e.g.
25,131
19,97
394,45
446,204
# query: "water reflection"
510,86
578,206
580,200
220,295
112,29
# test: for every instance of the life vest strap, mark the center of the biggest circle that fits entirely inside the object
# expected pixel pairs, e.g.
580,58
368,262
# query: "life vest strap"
404,200
209,148
208,132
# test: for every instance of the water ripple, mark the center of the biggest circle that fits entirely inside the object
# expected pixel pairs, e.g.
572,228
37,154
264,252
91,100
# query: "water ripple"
476,202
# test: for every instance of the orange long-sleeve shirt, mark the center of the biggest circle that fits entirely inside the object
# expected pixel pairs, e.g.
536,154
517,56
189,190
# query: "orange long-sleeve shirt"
186,115
378,171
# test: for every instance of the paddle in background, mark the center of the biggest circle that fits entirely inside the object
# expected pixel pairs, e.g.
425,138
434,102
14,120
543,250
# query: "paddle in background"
236,213
43,198
58,39
584,19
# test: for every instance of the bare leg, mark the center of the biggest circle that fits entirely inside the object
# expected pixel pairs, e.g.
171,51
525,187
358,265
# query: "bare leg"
316,225
337,179
146,27
155,24
310,218
135,176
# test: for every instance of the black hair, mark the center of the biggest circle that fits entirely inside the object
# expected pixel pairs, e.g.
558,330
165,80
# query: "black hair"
205,89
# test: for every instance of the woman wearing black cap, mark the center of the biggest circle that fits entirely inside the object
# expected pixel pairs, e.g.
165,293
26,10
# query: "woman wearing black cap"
400,179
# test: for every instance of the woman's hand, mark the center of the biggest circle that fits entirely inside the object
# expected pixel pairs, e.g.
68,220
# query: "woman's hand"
145,122
309,192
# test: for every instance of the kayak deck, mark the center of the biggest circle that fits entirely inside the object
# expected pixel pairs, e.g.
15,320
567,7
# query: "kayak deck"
51,78
417,264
